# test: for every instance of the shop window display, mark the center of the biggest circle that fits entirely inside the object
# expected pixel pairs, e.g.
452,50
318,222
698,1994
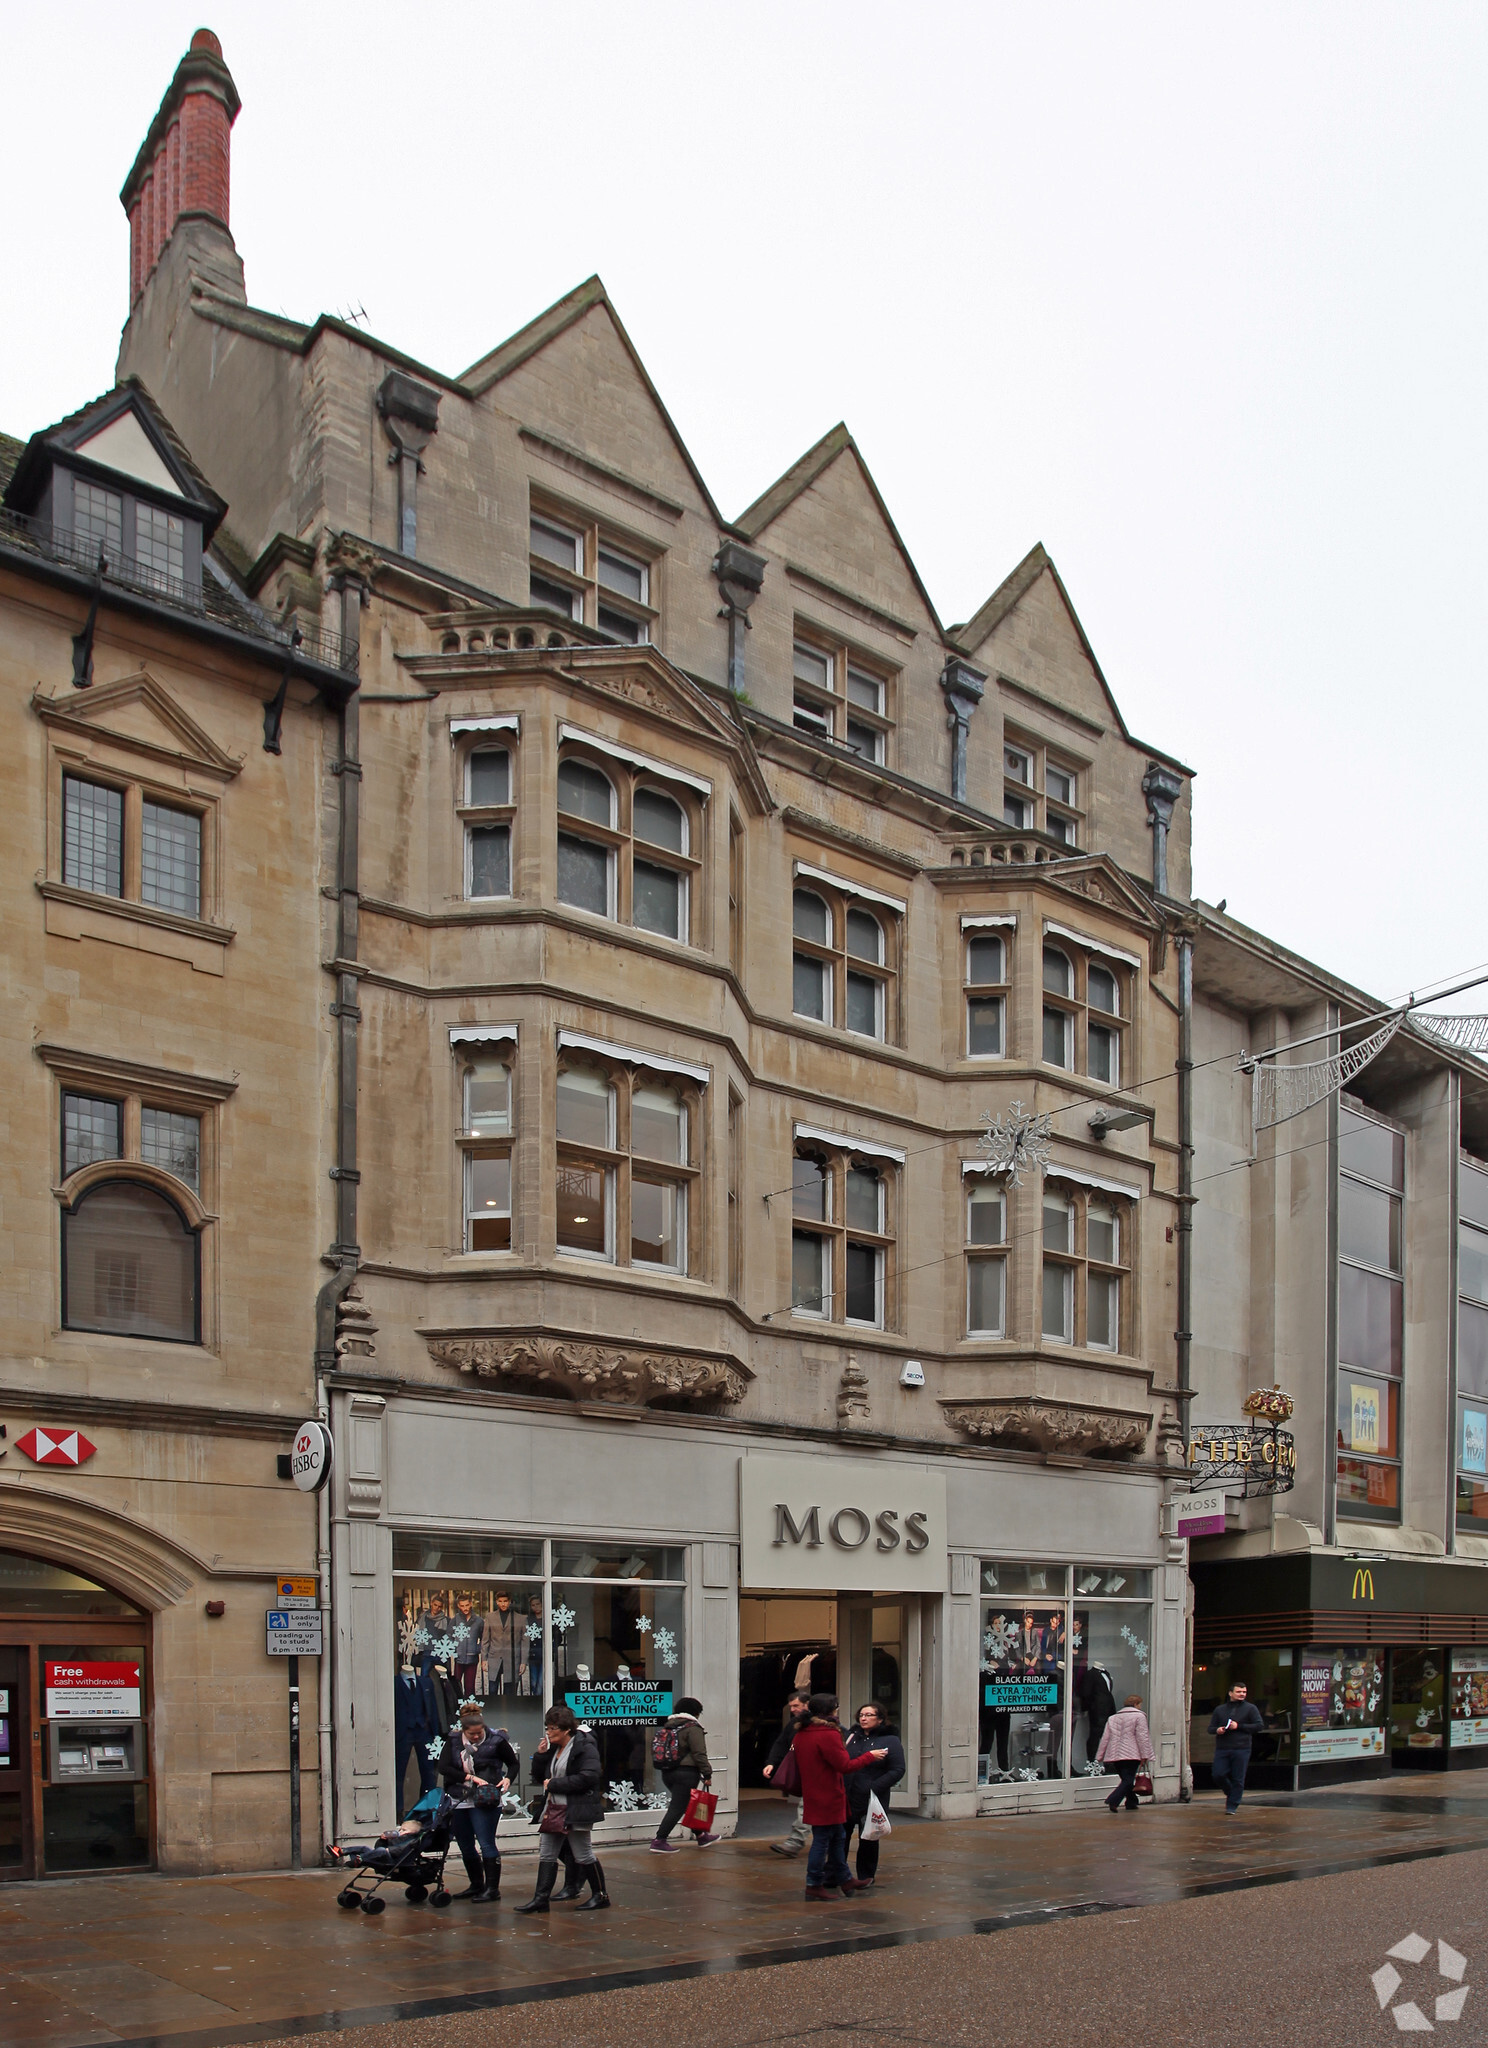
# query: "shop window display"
1342,1705
1468,1700
519,1625
1061,1647
1418,1684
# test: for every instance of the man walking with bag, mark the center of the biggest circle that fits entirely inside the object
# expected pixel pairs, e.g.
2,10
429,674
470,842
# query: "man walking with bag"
795,1715
680,1753
1232,1724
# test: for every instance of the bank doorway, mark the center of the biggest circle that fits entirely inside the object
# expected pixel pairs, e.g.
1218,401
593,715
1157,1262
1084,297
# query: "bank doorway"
862,1646
75,1788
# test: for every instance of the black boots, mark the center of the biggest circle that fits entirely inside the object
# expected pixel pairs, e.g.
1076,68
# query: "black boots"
598,1898
547,1874
475,1891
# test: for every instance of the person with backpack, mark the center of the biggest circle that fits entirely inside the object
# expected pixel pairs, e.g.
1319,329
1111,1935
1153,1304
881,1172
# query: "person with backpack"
680,1754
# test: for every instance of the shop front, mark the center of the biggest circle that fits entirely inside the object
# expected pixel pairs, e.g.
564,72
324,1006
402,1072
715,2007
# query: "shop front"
1359,1667
75,1786
520,1553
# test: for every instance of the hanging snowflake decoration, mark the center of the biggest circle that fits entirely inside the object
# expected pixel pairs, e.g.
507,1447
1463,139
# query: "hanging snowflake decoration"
666,1648
1077,1638
1138,1647
643,1624
534,1631
470,1700
563,1619
421,1637
434,1750
1015,1143
623,1797
1000,1641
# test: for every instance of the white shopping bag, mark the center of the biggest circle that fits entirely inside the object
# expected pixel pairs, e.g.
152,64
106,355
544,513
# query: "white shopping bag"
876,1826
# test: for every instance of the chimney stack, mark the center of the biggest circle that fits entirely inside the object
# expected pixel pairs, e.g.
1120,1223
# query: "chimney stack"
183,165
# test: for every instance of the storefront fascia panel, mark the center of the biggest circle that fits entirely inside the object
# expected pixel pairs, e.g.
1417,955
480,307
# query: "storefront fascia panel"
1339,1598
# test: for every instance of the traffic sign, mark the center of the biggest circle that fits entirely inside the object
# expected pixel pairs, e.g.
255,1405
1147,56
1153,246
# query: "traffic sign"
291,1635
292,1588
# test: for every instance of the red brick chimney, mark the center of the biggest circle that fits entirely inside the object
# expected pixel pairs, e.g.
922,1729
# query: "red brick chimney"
183,165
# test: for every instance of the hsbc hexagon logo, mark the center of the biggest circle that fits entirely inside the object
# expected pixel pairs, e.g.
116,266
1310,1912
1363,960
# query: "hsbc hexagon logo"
55,1447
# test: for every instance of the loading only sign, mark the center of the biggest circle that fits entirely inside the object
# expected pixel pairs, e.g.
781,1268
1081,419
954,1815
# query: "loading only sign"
292,1632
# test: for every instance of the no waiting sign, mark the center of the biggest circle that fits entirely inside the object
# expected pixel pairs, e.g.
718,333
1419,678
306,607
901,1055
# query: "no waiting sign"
291,1634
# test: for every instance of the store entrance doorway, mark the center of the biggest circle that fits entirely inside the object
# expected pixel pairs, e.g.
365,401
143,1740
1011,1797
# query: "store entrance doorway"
862,1646
75,1789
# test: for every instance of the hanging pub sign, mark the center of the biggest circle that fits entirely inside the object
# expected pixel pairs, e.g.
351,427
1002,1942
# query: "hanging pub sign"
1261,1456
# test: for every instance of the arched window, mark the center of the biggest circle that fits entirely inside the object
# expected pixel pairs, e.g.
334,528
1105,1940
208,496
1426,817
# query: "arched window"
624,848
986,996
131,1265
586,866
1059,1018
856,964
623,1168
488,815
486,1145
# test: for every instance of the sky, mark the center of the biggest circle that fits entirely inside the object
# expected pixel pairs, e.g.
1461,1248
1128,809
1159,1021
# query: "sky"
1193,295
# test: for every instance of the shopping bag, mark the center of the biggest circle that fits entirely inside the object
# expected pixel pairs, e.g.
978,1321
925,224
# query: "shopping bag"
786,1779
701,1808
876,1825
1142,1785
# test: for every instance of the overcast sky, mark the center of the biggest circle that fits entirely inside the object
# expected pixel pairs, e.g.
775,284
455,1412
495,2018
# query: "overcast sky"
1194,296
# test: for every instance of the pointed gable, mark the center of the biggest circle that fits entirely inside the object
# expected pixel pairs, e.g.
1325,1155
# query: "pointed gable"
123,434
137,713
1030,632
575,366
827,517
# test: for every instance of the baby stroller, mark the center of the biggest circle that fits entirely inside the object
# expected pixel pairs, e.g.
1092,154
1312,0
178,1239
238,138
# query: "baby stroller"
414,1859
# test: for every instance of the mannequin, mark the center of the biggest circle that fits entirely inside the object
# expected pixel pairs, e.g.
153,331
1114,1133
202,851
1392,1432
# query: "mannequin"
1094,1691
413,1731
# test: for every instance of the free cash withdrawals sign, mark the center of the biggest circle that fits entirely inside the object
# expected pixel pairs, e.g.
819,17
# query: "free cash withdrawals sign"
621,1702
93,1692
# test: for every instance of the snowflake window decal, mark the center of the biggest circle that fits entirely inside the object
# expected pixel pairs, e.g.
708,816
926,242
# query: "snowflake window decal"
534,1631
1138,1647
435,1749
1016,1142
666,1648
643,1624
563,1619
623,1796
999,1641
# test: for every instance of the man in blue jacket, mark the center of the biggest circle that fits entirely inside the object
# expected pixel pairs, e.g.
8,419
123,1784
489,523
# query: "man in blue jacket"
1232,1724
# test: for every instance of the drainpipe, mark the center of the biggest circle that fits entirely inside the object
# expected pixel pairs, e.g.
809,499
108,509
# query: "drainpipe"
345,1252
1162,789
1331,1305
741,577
1454,1281
1186,1196
964,687
410,412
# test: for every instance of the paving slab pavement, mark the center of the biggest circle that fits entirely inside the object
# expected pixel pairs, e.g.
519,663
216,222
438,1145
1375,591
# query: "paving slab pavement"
105,1960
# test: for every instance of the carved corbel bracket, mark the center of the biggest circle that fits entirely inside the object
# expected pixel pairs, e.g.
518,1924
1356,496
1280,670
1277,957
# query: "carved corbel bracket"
1036,1425
590,1372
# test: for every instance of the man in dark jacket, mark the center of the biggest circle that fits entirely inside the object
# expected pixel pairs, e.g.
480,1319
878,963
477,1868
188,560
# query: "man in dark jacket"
1232,1724
795,1715
871,1733
567,1763
688,1741
477,1764
413,1731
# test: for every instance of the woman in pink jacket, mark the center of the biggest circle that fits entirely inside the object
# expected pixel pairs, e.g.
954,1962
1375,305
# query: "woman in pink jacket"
1125,1743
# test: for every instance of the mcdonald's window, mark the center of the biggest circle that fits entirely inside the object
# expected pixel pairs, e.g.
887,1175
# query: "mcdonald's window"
1472,1347
1371,1299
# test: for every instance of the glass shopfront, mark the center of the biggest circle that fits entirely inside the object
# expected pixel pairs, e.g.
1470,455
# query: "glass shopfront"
1342,1705
1062,1646
1467,1696
519,1623
1418,1698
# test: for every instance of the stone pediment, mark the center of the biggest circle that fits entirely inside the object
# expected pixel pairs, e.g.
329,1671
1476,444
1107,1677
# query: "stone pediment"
577,1370
1035,1424
138,714
1099,881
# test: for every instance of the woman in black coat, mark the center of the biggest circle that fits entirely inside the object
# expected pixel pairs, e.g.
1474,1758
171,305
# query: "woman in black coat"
566,1762
871,1731
477,1764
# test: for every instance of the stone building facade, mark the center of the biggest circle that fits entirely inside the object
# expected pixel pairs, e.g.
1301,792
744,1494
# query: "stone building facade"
650,962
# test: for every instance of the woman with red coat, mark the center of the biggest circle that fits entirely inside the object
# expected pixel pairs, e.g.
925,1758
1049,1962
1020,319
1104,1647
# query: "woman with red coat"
822,1755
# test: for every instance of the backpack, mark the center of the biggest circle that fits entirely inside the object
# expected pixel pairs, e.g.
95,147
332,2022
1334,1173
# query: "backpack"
666,1748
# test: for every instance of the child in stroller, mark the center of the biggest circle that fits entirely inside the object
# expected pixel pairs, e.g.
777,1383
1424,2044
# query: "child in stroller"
411,1854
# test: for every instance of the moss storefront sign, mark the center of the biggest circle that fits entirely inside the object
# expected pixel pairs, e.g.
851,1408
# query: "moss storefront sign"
849,1525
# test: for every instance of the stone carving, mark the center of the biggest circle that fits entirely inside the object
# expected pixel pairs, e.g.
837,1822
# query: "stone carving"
353,558
590,1372
355,1328
1084,886
1051,1426
852,1396
633,688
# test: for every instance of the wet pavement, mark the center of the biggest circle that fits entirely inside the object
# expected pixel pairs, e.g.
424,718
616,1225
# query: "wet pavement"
116,1959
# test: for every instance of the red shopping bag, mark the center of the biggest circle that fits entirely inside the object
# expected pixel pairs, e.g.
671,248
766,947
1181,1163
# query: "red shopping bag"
701,1808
